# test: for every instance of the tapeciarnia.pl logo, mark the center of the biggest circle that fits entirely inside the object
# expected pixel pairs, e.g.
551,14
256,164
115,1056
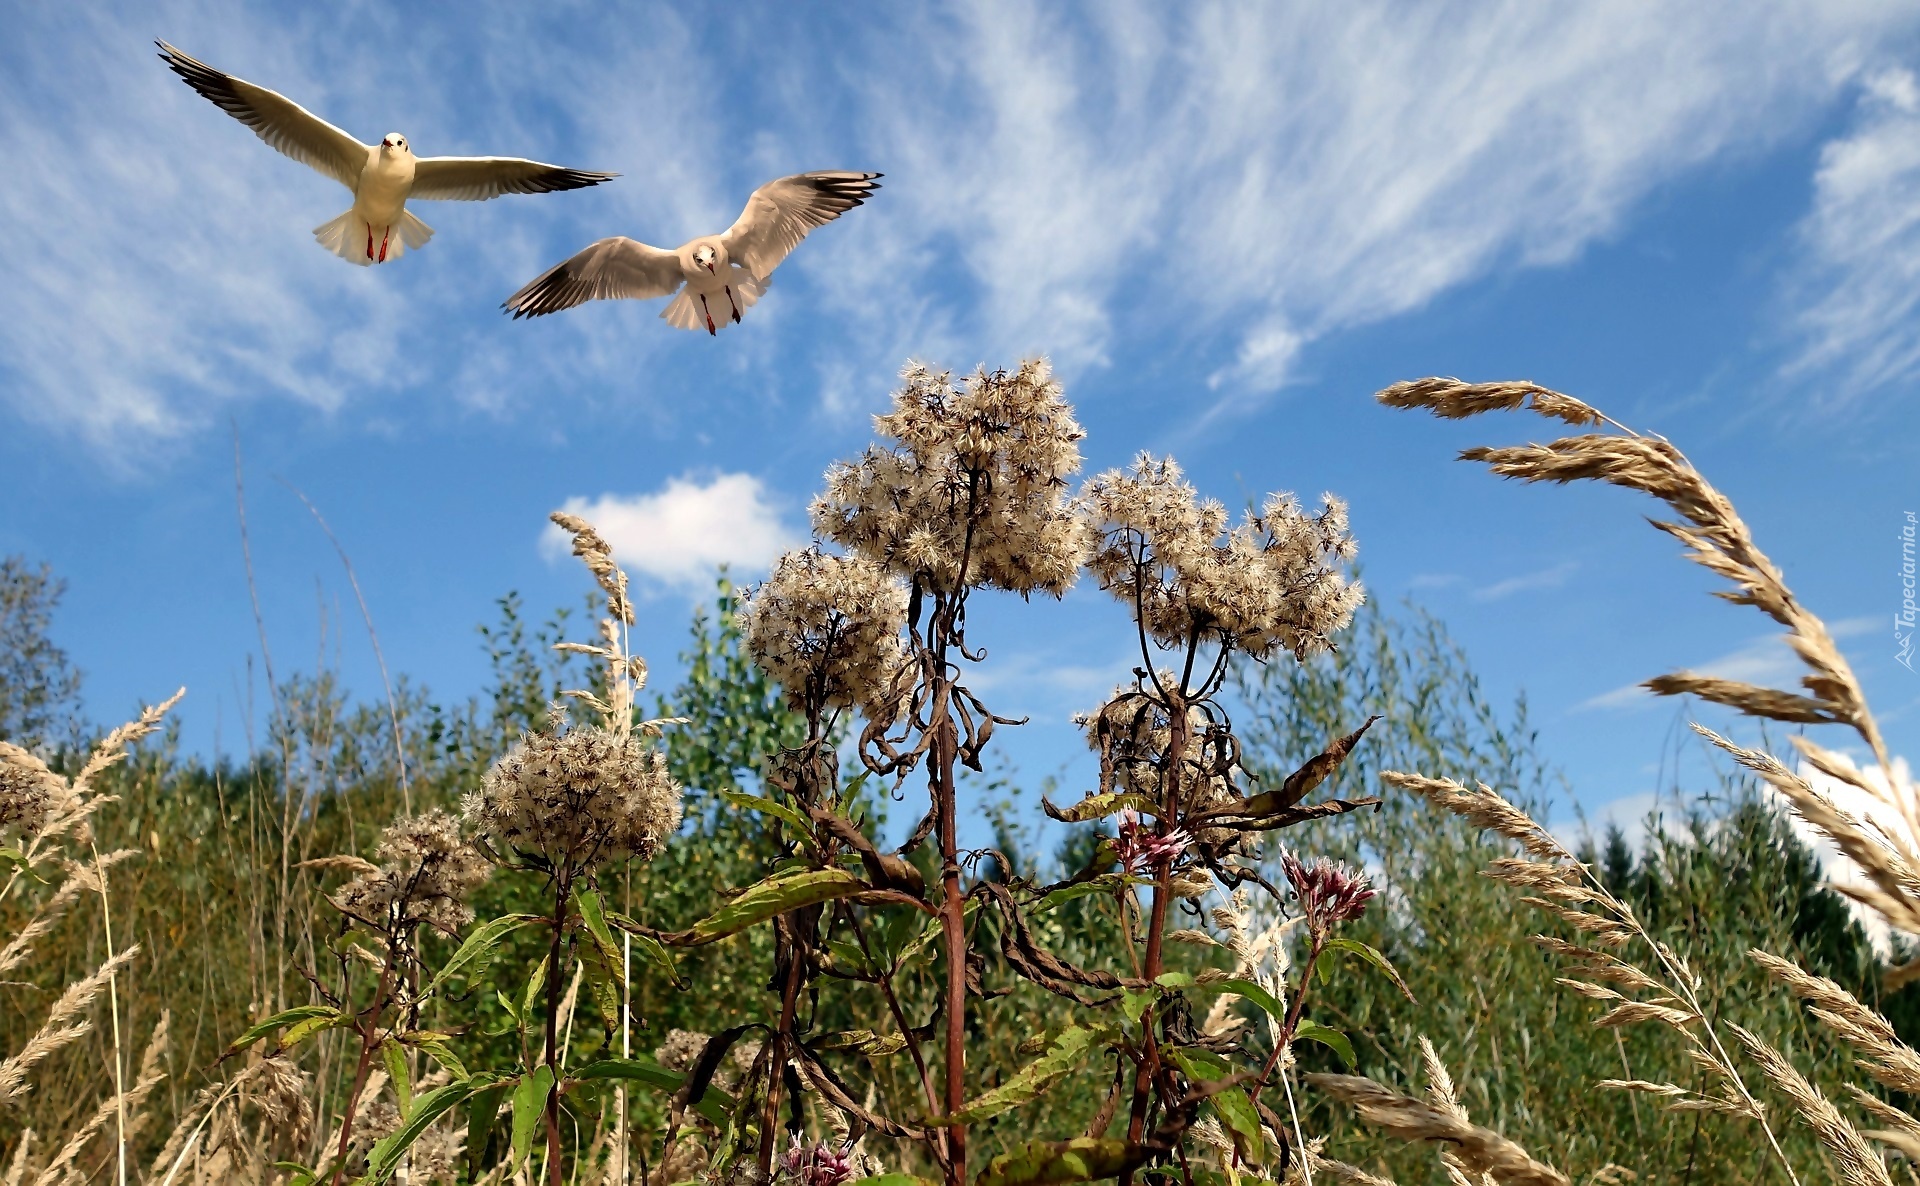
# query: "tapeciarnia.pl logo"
1903,621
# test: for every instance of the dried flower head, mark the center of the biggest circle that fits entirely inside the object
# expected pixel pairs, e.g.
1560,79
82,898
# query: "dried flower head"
597,554
1275,582
976,479
26,797
827,629
425,873
1330,893
577,796
818,1164
283,1093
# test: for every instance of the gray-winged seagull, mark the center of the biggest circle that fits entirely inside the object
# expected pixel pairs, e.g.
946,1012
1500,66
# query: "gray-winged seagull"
723,274
379,226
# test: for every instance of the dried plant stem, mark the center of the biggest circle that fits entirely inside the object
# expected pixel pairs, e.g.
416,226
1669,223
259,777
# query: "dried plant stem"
366,615
113,1008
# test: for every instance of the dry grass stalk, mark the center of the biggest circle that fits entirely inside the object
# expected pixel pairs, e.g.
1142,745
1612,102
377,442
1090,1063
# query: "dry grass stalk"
1479,1150
62,1027
1885,1057
1340,1171
1568,890
1858,1164
117,1105
1713,532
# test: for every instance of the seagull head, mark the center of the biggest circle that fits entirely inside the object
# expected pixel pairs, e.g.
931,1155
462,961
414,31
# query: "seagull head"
704,255
393,142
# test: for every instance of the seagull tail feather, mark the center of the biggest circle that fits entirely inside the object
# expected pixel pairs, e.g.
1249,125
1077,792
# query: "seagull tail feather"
348,237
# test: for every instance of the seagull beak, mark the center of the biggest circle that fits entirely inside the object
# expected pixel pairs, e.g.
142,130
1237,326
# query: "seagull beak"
710,267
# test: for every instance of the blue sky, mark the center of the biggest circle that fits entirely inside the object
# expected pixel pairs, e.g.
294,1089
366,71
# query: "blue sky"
1227,229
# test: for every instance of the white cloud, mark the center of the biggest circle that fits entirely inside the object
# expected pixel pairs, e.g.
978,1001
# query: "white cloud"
1857,287
1249,178
682,533
1546,578
1261,176
1892,810
1767,660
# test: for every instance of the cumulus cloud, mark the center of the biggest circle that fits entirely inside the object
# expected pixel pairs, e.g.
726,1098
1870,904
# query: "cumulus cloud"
681,533
1857,287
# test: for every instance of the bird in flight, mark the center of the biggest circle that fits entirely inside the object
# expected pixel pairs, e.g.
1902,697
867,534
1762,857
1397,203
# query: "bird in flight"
379,226
723,275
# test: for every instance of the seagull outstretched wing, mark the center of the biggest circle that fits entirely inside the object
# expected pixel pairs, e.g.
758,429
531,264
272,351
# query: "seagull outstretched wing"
780,213
285,125
611,268
476,178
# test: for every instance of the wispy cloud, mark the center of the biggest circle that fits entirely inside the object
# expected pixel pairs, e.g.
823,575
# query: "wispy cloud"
1767,660
1527,582
1245,179
1262,177
678,535
1857,288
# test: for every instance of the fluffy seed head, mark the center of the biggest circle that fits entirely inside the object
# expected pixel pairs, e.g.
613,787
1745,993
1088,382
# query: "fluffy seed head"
827,629
977,470
425,874
579,796
1275,582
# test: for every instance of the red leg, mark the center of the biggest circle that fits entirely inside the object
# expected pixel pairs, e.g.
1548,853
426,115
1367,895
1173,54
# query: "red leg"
369,240
384,235
734,303
711,331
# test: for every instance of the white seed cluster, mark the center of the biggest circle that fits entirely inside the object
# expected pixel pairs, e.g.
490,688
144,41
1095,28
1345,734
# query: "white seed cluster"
827,629
978,471
578,796
1275,582
426,873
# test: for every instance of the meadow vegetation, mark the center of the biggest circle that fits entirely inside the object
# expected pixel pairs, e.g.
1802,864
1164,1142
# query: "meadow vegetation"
1305,925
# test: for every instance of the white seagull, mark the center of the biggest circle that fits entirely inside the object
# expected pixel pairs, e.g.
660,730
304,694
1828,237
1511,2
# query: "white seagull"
723,274
382,178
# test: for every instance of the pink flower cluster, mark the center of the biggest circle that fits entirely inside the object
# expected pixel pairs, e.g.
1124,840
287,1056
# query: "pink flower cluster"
819,1164
1140,850
1330,893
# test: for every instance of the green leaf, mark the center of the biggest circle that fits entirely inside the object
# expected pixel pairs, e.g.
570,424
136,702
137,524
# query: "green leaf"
776,895
281,1020
1103,884
1255,993
793,819
1047,1163
1200,1065
895,1180
478,950
529,1103
715,1105
646,946
394,1056
1063,1054
1096,807
1332,1039
482,1111
1174,980
1134,1004
929,931
302,1030
300,1175
386,1153
1355,947
434,1045
535,983
1242,1120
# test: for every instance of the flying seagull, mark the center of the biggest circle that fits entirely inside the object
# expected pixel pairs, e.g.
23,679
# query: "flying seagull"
723,274
379,226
